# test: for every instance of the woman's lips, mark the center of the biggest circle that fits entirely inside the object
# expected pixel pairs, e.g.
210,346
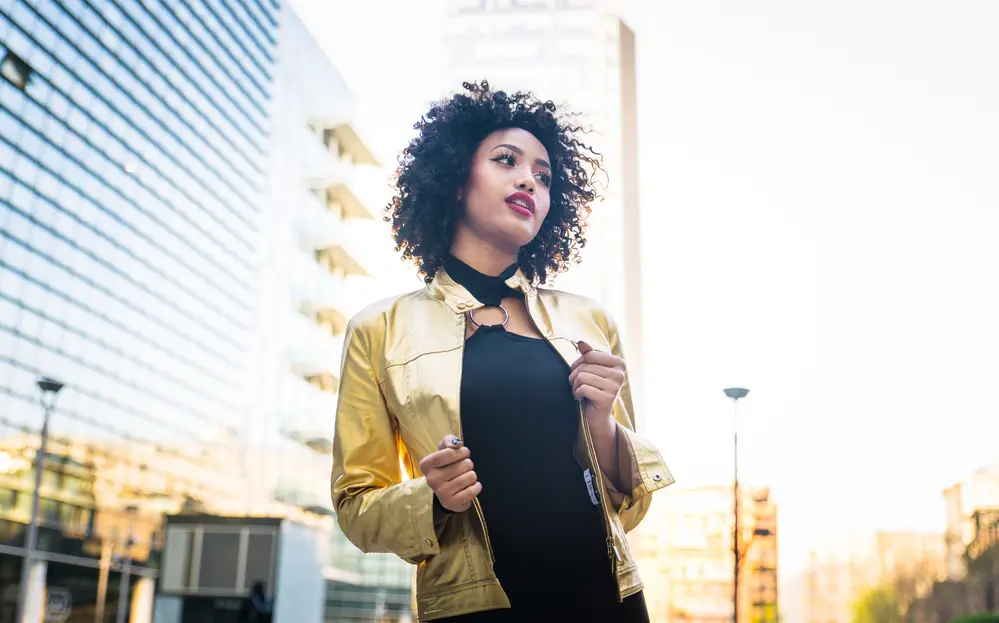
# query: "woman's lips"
521,202
516,207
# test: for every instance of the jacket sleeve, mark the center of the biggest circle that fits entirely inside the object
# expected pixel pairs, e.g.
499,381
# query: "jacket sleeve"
641,469
377,509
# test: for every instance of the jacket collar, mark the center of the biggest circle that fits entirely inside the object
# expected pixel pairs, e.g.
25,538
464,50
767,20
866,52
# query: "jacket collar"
457,297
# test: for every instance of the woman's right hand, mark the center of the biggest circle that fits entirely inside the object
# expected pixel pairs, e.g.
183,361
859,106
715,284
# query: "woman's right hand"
449,473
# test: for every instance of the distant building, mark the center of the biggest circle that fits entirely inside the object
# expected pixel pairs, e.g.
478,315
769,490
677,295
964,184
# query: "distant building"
907,560
963,500
831,585
685,556
761,559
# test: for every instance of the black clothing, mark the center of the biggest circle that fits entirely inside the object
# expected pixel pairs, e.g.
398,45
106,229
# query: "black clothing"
520,421
486,289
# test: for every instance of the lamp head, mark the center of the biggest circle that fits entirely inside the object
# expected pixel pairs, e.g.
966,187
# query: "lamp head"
735,393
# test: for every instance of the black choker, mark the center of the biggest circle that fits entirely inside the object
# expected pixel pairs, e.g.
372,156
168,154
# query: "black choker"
486,289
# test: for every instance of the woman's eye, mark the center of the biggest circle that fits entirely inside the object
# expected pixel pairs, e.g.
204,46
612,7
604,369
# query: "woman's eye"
545,178
506,159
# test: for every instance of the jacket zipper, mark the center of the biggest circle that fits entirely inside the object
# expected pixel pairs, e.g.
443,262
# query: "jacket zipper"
475,503
613,554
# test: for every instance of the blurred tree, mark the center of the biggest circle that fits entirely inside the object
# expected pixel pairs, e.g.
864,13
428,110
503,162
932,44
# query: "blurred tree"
983,571
954,601
878,605
978,618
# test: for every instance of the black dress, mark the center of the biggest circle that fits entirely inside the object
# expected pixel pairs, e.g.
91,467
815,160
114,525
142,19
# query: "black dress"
520,422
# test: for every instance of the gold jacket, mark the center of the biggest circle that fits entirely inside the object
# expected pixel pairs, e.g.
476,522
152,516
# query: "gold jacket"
399,396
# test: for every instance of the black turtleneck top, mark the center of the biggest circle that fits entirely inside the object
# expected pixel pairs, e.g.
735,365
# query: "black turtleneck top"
520,422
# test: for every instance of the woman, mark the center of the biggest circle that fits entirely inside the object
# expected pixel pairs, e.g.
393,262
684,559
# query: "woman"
484,426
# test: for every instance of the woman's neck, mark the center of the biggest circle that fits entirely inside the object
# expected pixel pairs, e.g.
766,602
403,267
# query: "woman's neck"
481,256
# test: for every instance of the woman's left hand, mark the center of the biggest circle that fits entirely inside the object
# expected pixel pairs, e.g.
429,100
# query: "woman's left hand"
597,377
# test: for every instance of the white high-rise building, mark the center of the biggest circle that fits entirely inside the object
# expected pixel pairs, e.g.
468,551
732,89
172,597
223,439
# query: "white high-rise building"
328,254
581,54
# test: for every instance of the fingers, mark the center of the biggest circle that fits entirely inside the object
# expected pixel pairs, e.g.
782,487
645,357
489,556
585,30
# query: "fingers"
600,358
599,382
454,470
615,375
449,474
462,500
449,450
600,389
438,477
596,396
449,441
443,458
457,485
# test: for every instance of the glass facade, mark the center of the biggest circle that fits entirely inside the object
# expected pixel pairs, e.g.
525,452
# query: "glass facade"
133,155
187,220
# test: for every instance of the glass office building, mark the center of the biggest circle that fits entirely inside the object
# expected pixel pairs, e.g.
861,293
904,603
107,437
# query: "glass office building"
133,156
188,217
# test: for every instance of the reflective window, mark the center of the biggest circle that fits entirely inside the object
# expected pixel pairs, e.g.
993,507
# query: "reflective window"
129,174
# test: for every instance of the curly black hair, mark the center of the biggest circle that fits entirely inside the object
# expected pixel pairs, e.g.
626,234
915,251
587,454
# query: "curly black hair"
424,211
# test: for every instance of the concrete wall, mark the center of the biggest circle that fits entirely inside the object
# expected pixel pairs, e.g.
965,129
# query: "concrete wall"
300,590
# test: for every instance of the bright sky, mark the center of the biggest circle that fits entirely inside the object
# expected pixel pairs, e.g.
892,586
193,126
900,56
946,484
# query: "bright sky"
819,197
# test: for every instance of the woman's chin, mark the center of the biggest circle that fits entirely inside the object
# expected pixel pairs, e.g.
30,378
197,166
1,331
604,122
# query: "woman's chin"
516,235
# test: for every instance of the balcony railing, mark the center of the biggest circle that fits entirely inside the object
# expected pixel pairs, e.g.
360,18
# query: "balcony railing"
345,186
344,134
315,355
337,244
337,165
329,300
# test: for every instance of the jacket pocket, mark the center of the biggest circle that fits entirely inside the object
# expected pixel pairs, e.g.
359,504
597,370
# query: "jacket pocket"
454,565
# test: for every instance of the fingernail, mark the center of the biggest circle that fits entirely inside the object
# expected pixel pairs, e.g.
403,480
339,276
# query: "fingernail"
455,442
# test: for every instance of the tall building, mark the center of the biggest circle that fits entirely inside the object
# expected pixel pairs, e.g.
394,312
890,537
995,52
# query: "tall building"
685,557
579,53
187,219
133,155
328,254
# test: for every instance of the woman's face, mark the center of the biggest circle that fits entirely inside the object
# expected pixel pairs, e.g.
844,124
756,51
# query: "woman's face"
506,198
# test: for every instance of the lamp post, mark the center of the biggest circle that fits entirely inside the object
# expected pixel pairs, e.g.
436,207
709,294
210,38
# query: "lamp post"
49,389
736,394
126,569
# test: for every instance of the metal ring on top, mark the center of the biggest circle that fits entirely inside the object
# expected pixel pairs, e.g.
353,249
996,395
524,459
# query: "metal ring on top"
506,317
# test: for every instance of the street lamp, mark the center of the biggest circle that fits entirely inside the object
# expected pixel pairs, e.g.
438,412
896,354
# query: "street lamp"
126,569
736,394
49,389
